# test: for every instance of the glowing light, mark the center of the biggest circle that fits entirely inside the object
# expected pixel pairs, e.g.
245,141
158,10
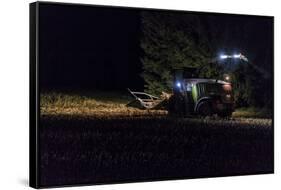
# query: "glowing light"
244,58
227,87
226,77
178,84
236,56
223,56
228,96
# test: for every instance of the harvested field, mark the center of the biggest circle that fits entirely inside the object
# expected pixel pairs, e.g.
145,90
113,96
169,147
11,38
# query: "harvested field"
124,145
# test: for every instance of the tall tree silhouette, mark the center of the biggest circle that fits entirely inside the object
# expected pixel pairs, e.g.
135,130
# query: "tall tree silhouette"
169,41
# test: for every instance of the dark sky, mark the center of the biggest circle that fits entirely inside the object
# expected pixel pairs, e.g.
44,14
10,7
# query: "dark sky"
99,48
89,47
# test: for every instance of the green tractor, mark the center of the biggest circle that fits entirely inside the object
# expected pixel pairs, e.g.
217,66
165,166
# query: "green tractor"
197,96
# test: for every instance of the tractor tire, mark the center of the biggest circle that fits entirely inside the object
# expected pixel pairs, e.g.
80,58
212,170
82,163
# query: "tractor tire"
205,109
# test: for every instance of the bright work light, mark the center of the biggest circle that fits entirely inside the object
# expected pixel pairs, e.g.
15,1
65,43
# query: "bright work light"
223,56
236,56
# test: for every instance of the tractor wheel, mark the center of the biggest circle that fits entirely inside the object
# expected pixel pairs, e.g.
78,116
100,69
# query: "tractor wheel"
204,109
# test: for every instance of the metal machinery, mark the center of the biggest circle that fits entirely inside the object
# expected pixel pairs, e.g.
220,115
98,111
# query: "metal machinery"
197,96
191,96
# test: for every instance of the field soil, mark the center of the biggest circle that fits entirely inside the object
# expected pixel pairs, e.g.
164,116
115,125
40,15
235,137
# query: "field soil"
77,150
84,142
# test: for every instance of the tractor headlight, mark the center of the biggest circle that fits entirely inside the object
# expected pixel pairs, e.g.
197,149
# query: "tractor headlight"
226,77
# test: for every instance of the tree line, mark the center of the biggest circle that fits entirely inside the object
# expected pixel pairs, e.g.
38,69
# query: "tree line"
175,40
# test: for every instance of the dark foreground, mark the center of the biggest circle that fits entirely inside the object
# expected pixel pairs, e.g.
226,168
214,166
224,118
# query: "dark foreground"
76,150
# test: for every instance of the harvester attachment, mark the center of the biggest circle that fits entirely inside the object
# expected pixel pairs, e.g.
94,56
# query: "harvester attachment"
147,101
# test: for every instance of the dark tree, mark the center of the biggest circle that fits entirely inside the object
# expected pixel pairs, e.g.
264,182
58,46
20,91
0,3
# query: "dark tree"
169,41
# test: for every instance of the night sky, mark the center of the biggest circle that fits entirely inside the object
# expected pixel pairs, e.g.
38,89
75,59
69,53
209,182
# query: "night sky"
99,47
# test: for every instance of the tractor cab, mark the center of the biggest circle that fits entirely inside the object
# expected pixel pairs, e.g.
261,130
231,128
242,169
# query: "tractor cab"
194,95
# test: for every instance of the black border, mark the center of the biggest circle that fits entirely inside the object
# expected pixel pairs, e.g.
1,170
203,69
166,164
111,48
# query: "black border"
34,91
34,105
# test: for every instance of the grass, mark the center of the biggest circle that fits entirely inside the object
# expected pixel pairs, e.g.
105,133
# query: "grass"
91,104
252,112
103,104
